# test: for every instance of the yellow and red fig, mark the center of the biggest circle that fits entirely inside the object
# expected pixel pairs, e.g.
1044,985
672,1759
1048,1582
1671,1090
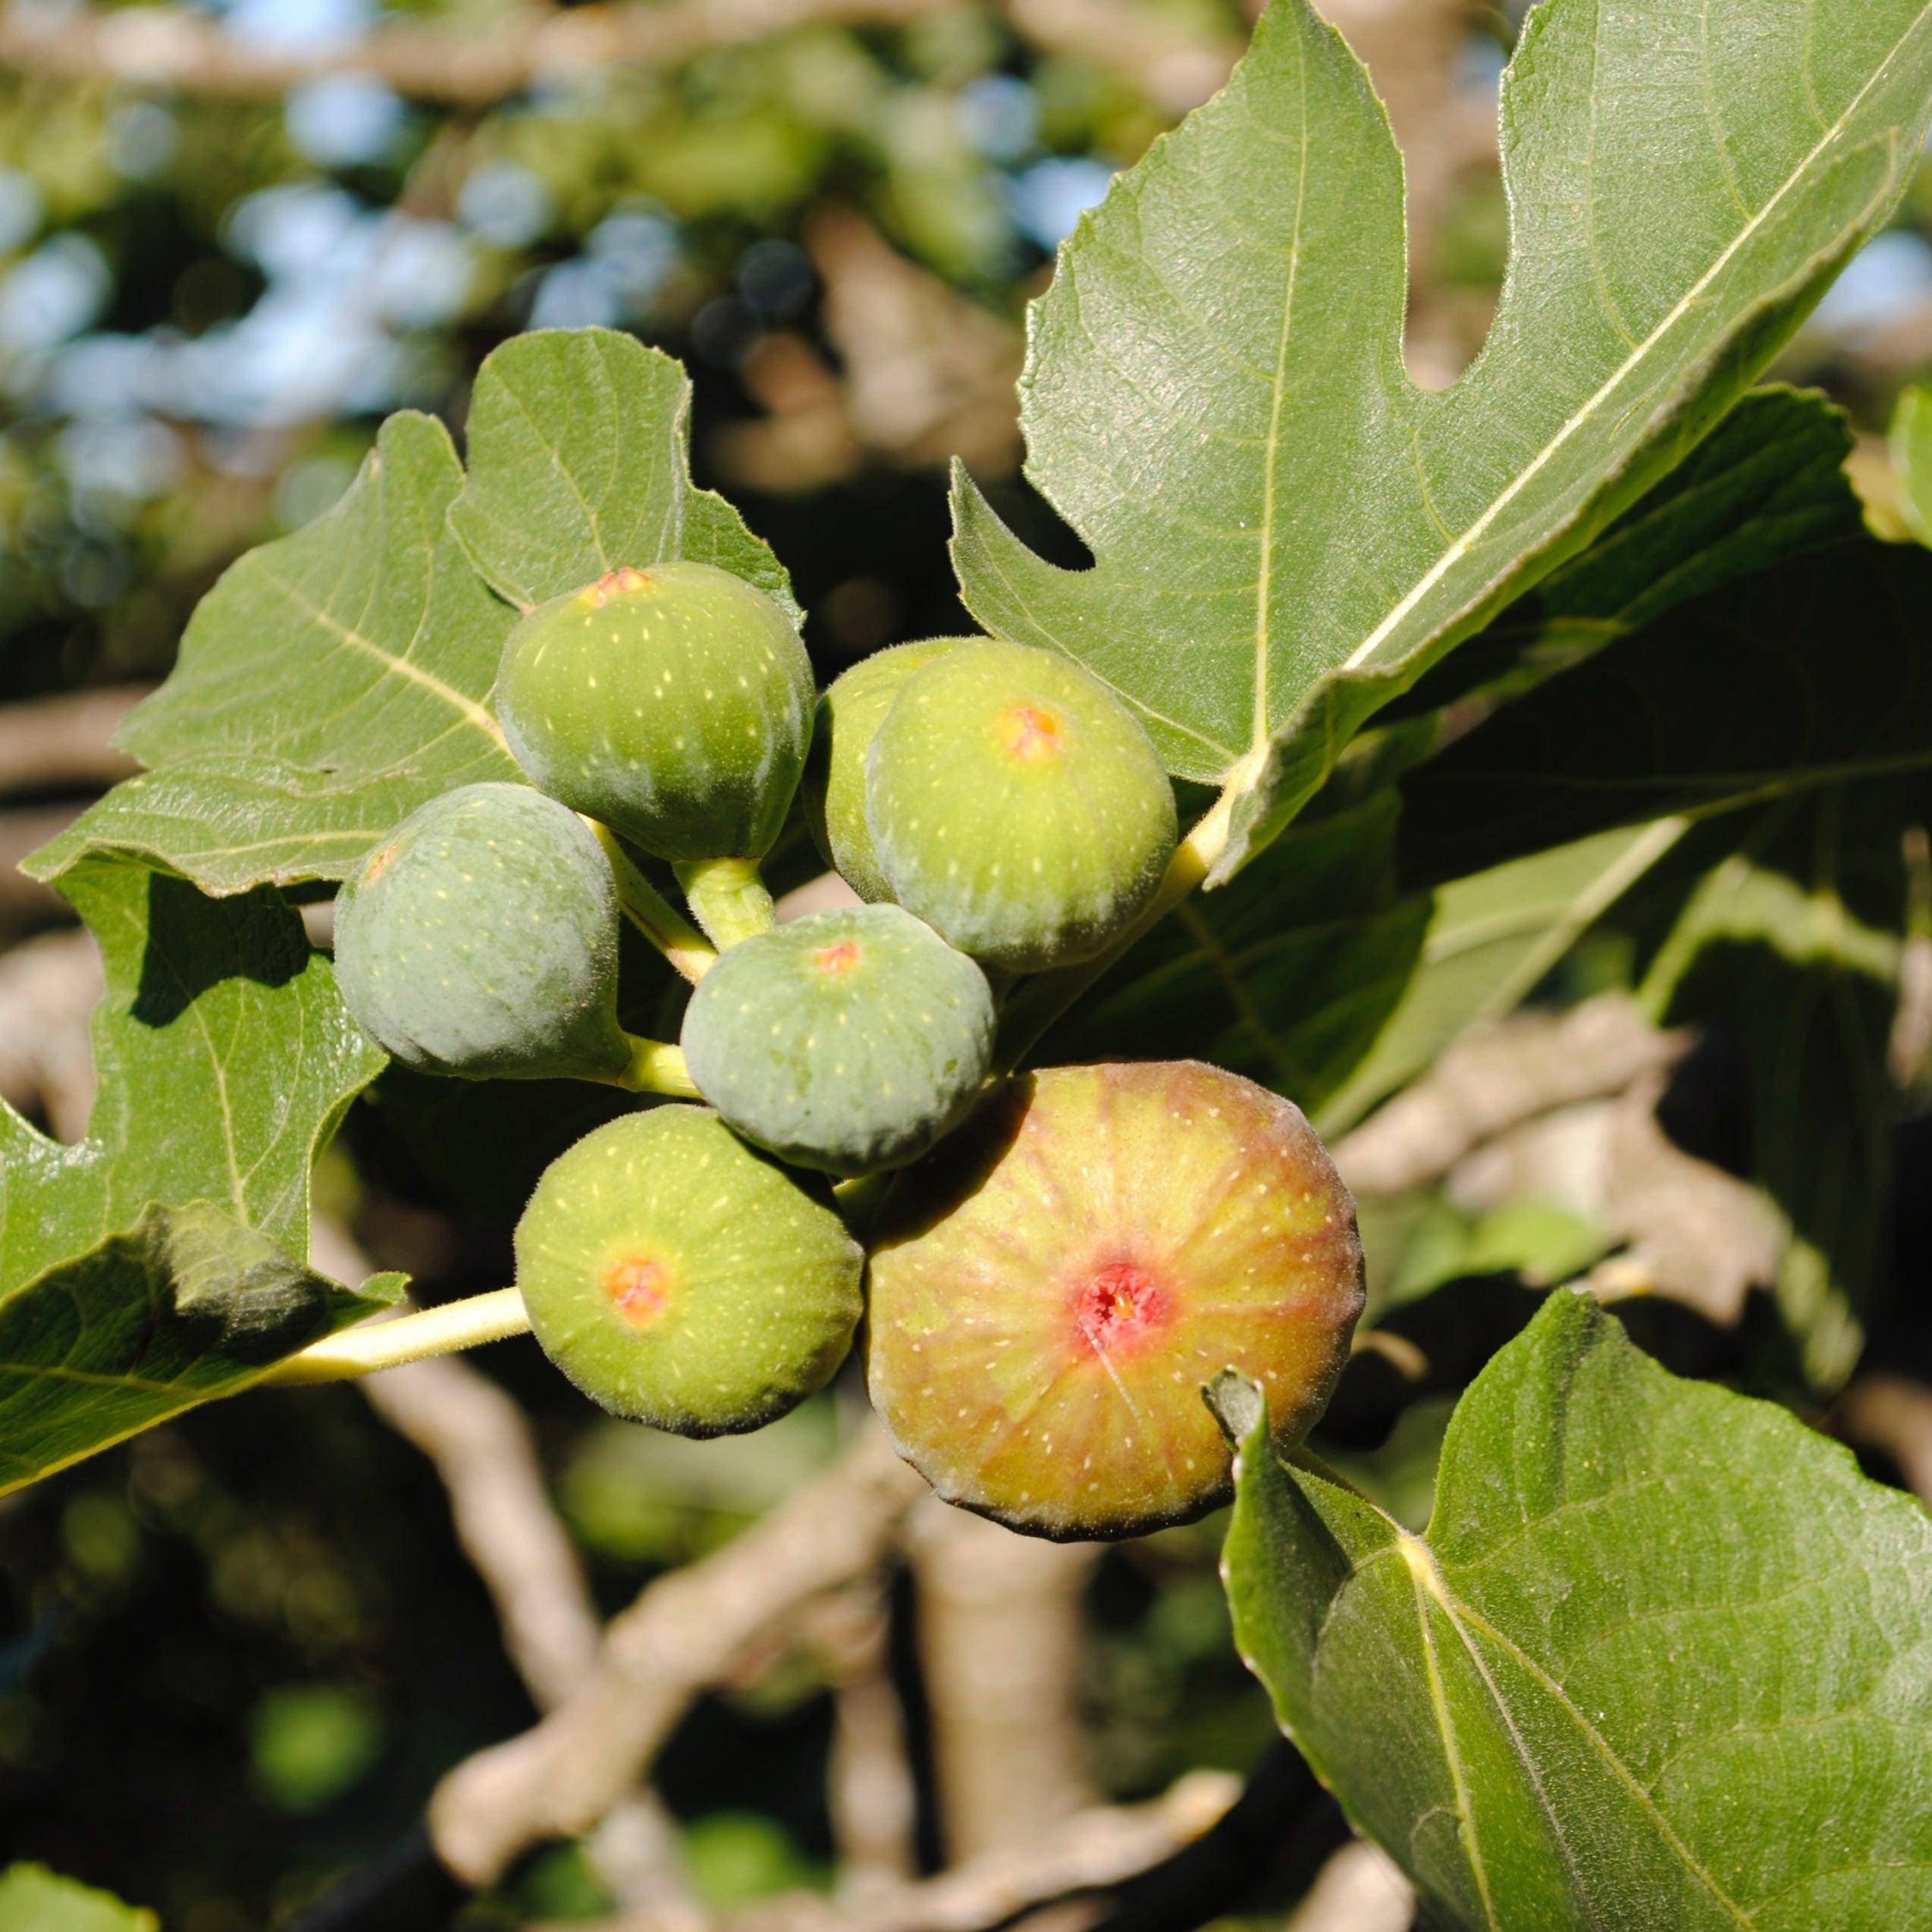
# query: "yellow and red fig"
1051,1290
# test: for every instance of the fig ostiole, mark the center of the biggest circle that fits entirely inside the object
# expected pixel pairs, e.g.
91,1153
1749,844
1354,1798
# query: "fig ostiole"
849,1041
1018,807
673,704
480,939
1051,1292
833,792
679,1278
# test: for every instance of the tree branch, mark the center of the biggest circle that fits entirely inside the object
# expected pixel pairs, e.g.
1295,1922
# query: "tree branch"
682,1637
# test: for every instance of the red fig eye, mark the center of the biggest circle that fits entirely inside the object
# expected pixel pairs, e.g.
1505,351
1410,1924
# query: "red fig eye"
1119,1305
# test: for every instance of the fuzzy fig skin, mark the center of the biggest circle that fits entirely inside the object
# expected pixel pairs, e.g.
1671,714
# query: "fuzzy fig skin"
849,713
1017,806
674,704
1051,1291
480,939
849,1041
681,1280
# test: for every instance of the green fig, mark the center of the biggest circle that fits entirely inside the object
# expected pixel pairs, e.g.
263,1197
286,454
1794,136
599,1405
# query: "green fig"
849,713
1052,1289
681,1280
480,939
849,1041
1017,806
673,703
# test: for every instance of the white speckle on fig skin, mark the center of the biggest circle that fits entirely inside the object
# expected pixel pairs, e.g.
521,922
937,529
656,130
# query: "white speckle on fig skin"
1073,1268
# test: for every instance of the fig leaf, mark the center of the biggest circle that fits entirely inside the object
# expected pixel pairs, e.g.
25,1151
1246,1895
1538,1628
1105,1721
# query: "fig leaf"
332,682
577,468
1644,1610
1286,531
158,1261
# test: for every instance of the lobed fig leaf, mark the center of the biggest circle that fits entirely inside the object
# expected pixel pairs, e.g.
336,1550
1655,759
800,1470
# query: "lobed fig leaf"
681,1280
480,939
1052,1292
849,713
850,1041
1016,807
1286,530
674,703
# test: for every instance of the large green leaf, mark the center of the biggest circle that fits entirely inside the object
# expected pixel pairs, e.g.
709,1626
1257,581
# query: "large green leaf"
225,1059
328,685
1314,970
1663,1658
1286,531
577,467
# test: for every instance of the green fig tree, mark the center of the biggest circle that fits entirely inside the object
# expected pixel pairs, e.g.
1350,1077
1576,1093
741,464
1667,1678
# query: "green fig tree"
1591,656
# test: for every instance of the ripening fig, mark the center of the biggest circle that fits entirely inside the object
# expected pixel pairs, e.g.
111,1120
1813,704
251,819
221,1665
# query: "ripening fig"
849,1041
480,939
674,704
834,792
1017,806
680,1279
1051,1292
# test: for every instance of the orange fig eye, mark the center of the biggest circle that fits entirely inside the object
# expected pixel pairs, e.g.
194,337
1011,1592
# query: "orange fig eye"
1030,734
638,1287
838,959
615,584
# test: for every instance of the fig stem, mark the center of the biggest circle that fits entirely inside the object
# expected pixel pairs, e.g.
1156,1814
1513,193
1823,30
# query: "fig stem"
370,1346
657,1067
652,913
728,898
1041,1001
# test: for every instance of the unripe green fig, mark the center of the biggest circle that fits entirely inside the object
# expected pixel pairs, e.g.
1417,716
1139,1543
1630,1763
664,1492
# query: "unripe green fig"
480,939
674,704
849,713
1017,806
1051,1292
849,1041
680,1279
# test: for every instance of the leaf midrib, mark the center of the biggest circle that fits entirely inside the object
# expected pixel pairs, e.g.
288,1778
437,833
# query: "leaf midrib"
476,714
1426,1579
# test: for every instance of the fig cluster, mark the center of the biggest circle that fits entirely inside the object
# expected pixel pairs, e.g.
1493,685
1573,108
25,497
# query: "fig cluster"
1059,1262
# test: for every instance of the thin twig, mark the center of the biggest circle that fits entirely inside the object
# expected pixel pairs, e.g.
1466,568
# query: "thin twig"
683,1635
1095,1850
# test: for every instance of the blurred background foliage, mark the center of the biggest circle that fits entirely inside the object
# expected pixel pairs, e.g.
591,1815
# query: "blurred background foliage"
235,1653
